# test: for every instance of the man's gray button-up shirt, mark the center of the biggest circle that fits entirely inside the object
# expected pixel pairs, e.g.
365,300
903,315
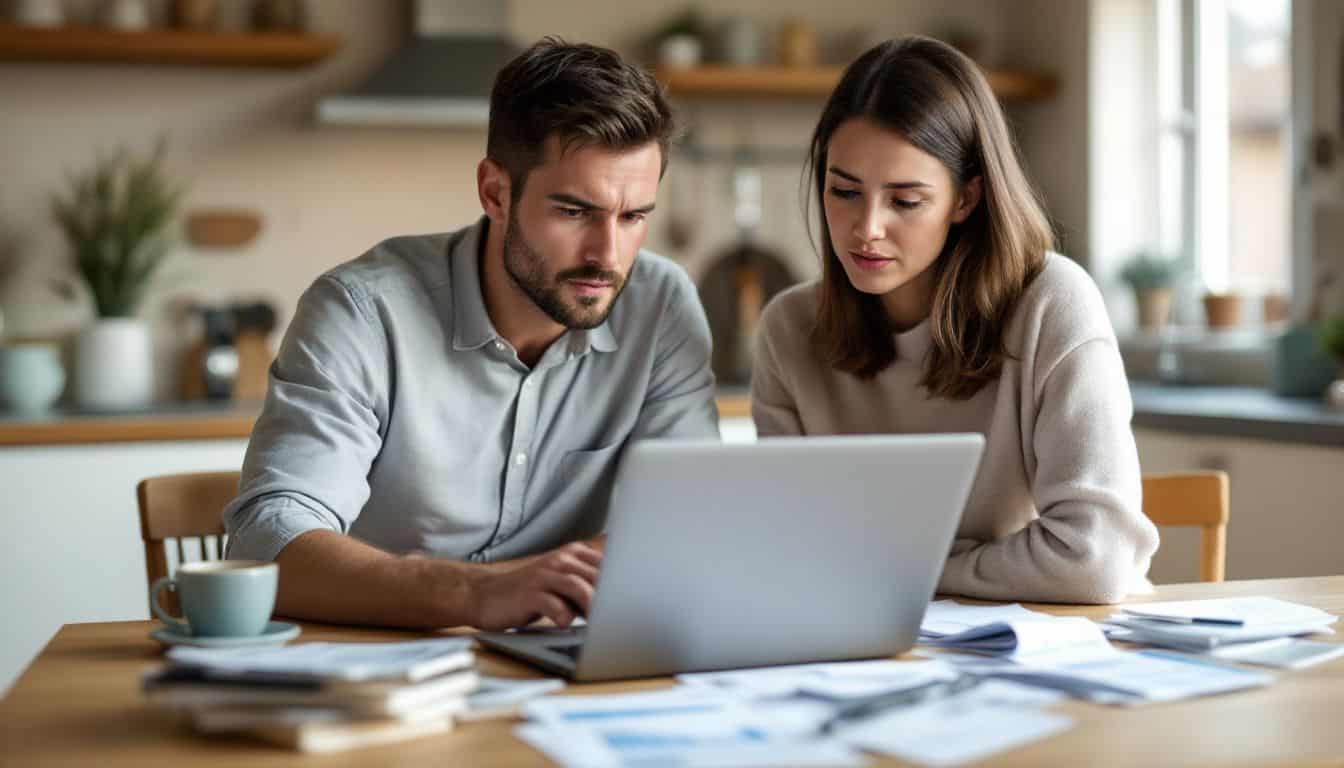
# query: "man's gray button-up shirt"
398,415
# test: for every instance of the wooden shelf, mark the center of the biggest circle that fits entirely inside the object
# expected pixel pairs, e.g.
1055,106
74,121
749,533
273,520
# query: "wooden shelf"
163,46
785,82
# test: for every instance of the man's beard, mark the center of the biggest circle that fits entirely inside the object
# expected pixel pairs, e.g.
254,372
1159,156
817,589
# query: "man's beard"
526,266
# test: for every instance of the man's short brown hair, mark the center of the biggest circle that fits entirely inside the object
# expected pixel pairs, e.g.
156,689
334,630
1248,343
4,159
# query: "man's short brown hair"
583,94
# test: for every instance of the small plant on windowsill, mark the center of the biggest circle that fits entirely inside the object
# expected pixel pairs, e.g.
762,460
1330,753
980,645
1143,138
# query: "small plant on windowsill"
1150,275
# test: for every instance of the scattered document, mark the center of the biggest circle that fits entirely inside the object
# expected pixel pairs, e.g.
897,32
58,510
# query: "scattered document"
1236,611
684,726
993,717
682,744
946,617
1112,676
682,700
834,680
498,697
1284,653
1025,639
1198,637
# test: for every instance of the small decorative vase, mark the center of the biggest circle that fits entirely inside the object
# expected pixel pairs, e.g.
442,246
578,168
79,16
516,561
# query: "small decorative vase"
1154,308
1300,366
680,52
38,13
126,15
1334,396
797,44
739,42
113,365
31,376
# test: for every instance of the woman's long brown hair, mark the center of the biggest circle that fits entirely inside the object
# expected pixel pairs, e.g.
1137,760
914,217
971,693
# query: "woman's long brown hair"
938,100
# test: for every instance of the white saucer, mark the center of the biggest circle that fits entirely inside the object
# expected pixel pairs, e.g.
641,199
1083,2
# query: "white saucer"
276,633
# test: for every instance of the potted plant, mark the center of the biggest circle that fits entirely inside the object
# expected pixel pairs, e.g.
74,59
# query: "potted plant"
679,43
1150,275
115,218
1332,339
1222,310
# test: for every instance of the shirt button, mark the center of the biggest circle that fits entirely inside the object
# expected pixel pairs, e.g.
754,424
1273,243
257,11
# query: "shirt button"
520,459
499,346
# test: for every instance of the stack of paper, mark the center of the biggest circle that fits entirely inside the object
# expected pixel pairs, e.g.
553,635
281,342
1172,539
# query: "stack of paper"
1203,625
320,697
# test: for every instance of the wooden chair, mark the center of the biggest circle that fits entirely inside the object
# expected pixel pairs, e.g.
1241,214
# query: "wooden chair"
178,507
1193,499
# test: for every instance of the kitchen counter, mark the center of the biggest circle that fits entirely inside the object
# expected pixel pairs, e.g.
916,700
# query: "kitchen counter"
184,421
1244,412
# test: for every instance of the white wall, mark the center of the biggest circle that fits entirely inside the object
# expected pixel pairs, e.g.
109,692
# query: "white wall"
245,138
1052,36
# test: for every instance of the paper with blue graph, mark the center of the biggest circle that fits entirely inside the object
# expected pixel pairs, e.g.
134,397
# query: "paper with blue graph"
683,726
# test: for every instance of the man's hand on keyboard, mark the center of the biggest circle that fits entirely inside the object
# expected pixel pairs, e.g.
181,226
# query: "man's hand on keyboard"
555,585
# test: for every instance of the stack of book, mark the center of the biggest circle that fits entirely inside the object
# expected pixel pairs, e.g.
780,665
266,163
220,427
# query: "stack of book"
320,697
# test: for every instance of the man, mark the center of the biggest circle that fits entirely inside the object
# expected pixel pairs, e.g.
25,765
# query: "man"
446,412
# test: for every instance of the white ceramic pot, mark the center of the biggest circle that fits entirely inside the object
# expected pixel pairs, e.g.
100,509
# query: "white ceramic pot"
113,365
679,52
126,15
38,13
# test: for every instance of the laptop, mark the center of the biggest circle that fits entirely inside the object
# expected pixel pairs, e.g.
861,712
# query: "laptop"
783,551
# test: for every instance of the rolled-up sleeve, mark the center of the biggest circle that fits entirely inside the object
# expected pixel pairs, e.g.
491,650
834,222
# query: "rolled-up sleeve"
679,401
308,461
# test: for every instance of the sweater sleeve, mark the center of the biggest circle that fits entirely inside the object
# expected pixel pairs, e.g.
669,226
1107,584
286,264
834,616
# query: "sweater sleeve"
1091,542
773,408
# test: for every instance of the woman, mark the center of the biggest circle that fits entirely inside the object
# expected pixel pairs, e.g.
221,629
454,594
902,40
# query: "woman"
941,309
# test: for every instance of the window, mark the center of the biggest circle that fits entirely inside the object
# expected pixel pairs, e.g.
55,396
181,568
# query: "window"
1224,148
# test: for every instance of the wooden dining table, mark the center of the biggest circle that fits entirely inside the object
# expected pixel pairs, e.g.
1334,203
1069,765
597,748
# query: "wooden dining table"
79,703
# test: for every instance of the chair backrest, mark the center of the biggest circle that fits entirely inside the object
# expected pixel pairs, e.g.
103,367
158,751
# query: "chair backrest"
178,507
1193,499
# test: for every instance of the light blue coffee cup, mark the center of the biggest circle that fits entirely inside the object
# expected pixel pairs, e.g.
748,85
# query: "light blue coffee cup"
223,598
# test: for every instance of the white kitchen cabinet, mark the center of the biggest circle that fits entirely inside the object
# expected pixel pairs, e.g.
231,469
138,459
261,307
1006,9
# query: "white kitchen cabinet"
72,548
1287,515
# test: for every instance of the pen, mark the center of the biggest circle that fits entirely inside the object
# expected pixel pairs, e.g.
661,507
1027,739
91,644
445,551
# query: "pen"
871,705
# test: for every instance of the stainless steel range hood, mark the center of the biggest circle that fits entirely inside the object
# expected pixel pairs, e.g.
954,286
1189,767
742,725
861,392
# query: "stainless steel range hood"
441,76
